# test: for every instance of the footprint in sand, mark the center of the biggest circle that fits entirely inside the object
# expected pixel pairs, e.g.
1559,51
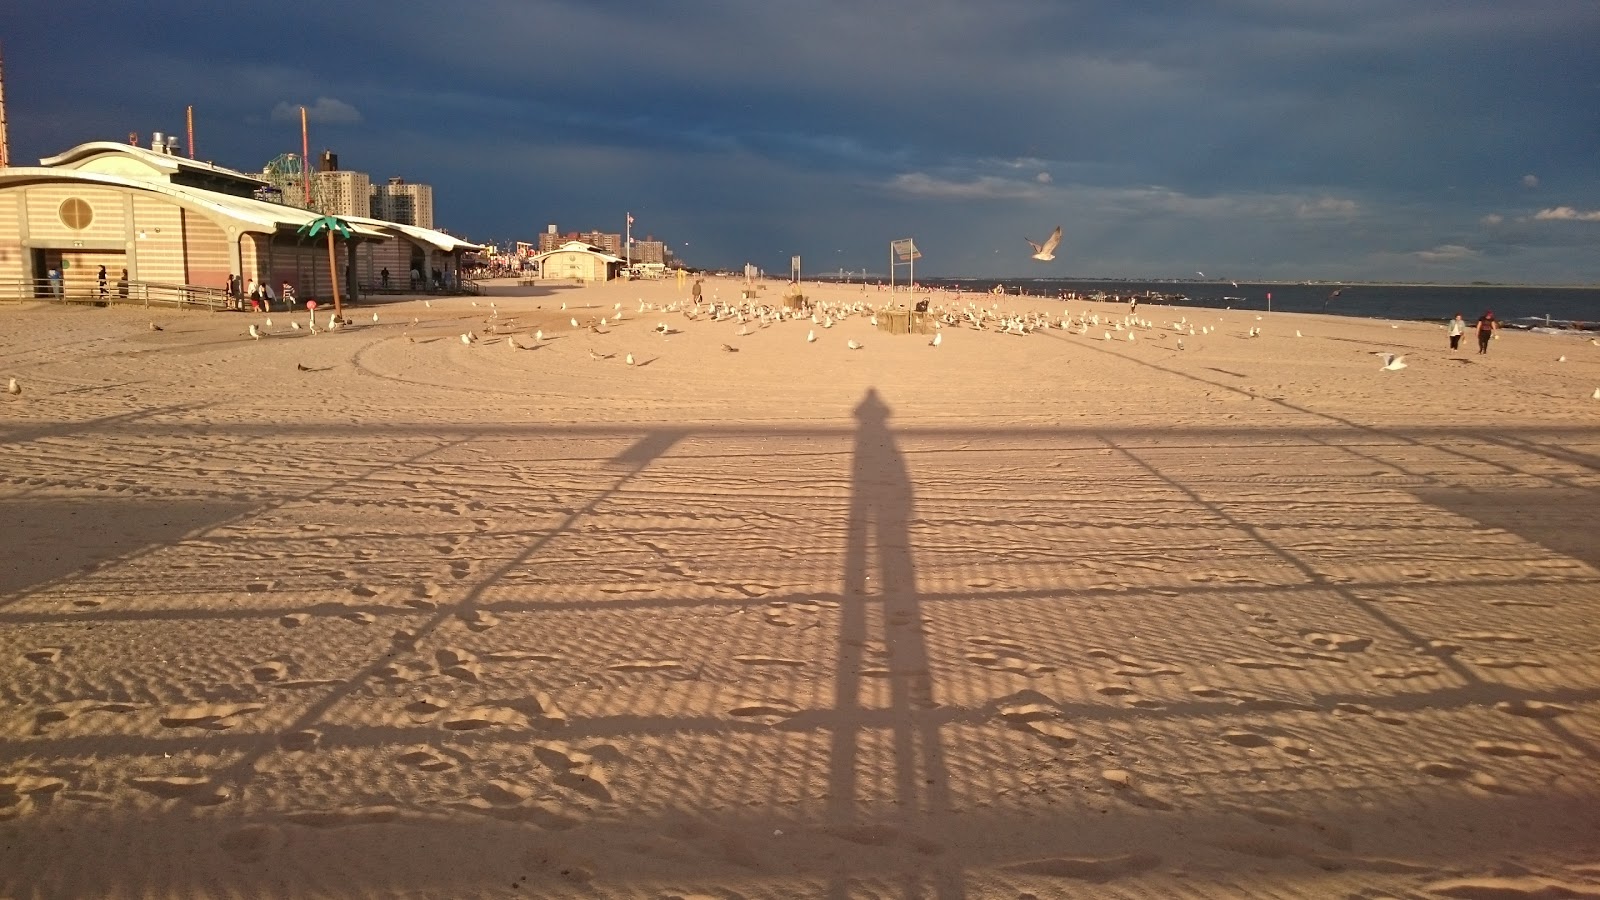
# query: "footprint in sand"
342,818
1103,868
574,769
194,789
768,711
770,661
1034,712
212,716
1514,748
460,568
1455,771
1502,636
1253,663
478,620
458,663
1251,740
300,741
1403,673
474,718
359,617
426,759
1361,709
88,602
1532,709
44,656
364,590
272,670
294,620
645,665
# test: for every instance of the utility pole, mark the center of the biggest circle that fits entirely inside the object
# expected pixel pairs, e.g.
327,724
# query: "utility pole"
5,145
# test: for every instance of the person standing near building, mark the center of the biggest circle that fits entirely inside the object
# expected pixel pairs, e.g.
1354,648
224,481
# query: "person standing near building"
55,282
1486,330
122,285
100,279
1458,327
383,277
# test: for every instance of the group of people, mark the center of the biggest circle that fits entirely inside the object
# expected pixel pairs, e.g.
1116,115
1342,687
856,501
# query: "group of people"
260,296
1487,326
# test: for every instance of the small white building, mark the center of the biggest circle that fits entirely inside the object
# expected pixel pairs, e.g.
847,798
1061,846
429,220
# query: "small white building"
578,261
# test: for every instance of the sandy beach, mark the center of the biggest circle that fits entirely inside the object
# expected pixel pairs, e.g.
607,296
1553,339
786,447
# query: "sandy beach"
379,613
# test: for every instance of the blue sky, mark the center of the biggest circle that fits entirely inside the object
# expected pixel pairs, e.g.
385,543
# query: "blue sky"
1337,139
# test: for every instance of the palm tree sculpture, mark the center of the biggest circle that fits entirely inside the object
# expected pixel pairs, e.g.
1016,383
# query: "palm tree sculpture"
330,224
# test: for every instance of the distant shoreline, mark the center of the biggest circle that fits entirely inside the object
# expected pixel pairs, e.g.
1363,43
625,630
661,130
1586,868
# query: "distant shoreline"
1277,283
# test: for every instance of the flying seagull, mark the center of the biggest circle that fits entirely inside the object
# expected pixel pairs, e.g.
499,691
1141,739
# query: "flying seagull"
1392,363
1046,251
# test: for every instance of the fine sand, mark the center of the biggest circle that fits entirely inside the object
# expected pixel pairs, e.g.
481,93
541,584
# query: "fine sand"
378,613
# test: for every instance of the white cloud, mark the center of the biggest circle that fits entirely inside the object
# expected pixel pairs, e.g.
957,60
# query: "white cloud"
984,187
1567,213
1492,219
1446,253
1043,178
326,111
1326,207
1530,180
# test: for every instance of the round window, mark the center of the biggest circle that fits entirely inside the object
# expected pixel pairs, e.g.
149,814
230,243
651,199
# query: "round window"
76,214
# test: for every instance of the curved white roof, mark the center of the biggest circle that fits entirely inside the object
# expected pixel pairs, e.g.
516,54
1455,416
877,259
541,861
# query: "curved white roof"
164,162
250,213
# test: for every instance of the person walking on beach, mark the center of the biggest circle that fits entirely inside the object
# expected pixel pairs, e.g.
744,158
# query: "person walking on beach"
1486,329
1458,327
101,279
694,291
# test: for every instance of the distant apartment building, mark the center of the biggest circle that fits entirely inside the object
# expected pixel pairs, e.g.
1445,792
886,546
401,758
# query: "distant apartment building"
648,252
610,242
403,202
342,193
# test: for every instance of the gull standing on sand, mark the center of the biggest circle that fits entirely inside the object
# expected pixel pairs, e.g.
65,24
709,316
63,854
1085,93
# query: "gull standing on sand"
1046,251
811,336
852,344
255,332
629,359
938,339
13,388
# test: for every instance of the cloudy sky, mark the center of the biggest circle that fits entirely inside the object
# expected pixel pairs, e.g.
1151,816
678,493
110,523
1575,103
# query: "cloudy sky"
1447,140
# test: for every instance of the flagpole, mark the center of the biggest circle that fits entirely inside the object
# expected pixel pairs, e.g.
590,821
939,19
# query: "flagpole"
627,241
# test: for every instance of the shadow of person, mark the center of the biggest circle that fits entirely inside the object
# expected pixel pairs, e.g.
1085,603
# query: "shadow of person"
878,542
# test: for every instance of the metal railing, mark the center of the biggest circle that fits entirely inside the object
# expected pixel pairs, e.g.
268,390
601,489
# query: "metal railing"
138,293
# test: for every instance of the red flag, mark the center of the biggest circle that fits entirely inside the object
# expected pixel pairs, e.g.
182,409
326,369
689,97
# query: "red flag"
1269,295
630,218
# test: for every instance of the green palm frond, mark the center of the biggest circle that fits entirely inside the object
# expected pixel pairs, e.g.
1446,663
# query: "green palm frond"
326,223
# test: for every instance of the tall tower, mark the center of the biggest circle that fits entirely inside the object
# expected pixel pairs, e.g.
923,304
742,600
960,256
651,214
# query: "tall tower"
5,145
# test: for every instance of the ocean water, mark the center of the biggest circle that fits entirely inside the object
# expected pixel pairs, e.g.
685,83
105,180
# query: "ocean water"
1513,305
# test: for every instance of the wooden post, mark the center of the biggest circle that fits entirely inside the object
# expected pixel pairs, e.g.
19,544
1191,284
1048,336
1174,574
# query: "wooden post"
333,277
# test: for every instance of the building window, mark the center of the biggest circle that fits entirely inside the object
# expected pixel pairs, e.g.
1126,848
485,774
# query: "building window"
76,214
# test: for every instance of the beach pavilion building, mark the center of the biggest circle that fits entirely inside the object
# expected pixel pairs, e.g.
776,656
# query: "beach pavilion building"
173,221
578,261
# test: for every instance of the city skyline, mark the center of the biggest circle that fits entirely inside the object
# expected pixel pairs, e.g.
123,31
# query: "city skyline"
1434,141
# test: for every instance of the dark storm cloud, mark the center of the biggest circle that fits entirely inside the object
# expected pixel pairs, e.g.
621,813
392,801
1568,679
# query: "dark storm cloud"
1320,139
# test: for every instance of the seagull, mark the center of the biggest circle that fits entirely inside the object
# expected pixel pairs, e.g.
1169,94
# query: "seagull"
852,344
428,303
155,327
1561,359
937,340
1200,273
574,322
811,336
1046,251
466,338
1392,363
374,319
295,325
255,332
1595,395
13,388
1297,332
1180,343
629,359
512,343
